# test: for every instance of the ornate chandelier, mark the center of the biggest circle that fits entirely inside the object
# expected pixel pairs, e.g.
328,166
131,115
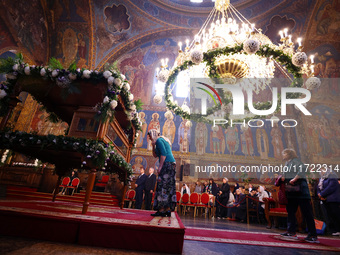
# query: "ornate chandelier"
230,48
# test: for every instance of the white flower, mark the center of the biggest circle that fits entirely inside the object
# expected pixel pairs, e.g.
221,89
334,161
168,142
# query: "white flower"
42,72
87,74
133,107
251,46
113,104
72,76
2,93
196,56
131,97
55,73
122,76
137,134
107,74
117,82
313,83
157,99
127,86
110,80
27,70
15,67
163,75
106,100
299,58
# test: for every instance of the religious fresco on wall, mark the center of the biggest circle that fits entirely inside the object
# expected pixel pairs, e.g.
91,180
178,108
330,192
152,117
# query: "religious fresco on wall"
111,31
6,39
41,126
326,21
28,22
138,162
139,66
260,143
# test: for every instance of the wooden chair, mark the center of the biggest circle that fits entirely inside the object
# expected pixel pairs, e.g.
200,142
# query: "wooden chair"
64,184
252,208
274,209
204,203
74,185
184,202
193,201
178,199
101,184
130,197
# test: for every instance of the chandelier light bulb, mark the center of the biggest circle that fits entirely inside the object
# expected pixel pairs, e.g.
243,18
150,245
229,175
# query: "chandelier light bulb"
312,59
187,43
299,40
281,34
180,46
286,32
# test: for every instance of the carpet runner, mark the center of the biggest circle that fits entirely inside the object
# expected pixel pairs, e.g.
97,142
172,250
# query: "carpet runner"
257,238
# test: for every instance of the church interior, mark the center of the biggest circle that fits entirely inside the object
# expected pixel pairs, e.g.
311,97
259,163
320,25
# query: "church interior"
89,79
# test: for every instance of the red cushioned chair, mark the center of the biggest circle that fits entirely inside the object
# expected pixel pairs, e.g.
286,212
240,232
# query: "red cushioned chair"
274,209
184,202
74,185
193,201
178,199
130,197
64,184
204,203
103,182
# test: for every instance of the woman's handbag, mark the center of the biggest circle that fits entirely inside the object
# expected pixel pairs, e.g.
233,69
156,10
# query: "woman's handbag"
296,188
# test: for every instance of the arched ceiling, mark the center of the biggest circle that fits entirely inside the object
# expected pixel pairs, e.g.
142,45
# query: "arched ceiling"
137,33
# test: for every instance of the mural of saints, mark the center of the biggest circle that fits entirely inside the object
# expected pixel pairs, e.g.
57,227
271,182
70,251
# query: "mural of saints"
277,143
184,136
201,138
137,163
325,137
217,142
262,141
169,128
313,131
141,134
247,143
154,124
290,138
232,140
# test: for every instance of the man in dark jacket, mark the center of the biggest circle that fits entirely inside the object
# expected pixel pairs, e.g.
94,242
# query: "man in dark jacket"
223,197
149,188
140,186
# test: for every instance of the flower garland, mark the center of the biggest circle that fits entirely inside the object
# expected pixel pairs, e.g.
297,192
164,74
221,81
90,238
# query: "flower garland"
96,151
209,58
67,79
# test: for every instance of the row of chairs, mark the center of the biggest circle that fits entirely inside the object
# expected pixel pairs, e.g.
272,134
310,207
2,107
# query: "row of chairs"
196,201
65,184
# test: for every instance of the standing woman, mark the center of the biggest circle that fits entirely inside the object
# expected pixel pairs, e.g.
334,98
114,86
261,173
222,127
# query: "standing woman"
297,193
165,197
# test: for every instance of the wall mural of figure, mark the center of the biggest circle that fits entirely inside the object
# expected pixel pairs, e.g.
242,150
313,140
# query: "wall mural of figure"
277,143
262,141
169,128
313,131
141,134
247,143
81,51
201,138
154,124
184,136
217,142
138,162
69,46
232,139
325,137
290,138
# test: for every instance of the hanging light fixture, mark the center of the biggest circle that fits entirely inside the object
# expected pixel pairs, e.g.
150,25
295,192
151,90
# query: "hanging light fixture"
239,42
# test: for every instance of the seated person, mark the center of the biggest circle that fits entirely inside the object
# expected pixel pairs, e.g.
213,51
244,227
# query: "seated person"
241,207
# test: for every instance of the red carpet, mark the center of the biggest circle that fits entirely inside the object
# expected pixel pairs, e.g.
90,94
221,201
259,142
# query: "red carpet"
257,238
103,226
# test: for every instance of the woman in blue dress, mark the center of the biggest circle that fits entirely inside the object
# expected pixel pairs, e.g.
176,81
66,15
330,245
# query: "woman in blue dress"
165,197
